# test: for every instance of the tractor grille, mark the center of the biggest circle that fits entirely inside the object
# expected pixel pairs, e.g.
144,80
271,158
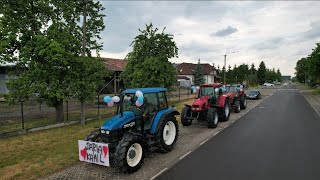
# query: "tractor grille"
196,108
113,136
213,102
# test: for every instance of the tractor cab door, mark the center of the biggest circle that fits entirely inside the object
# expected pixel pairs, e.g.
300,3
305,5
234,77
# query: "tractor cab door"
150,109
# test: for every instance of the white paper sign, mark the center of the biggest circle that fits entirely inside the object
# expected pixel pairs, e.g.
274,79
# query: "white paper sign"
93,152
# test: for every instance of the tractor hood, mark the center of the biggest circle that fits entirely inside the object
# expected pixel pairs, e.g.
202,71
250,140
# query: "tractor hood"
117,122
200,101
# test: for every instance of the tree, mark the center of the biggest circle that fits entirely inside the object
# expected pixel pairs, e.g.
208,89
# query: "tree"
278,75
148,62
261,73
252,69
198,74
44,38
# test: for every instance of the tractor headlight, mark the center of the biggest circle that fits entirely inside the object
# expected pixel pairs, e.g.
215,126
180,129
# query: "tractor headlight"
104,131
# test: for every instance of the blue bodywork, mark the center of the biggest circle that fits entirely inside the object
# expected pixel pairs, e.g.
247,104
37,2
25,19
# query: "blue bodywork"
158,117
117,122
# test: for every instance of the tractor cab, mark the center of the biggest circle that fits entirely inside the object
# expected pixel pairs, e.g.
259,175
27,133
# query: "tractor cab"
145,112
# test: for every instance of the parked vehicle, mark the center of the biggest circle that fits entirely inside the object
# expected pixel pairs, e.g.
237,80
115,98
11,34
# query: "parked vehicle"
211,105
254,94
137,131
238,100
268,84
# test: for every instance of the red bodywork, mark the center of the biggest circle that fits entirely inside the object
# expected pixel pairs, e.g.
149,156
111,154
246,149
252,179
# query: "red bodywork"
202,103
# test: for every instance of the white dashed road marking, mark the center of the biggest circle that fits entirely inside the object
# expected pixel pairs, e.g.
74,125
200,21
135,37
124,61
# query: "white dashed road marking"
185,155
159,173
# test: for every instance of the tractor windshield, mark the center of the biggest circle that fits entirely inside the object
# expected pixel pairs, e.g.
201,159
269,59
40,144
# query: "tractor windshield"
206,91
128,103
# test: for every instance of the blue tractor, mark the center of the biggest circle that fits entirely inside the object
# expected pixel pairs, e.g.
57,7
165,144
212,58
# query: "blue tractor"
138,129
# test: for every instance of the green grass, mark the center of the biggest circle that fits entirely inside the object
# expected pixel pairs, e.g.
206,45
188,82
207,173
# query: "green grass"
42,153
316,91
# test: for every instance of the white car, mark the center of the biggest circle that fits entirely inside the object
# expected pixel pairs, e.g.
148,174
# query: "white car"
268,84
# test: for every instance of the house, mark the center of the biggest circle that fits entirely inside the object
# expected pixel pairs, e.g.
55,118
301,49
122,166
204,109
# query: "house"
116,67
188,69
183,81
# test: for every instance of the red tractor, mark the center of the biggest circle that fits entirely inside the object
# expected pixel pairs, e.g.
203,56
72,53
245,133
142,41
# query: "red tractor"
211,105
239,96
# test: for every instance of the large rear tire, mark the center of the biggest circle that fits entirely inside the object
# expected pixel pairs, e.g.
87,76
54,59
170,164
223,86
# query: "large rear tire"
212,117
168,134
243,103
186,112
130,153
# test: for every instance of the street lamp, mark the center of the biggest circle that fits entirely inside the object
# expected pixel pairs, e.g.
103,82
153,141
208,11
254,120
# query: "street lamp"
224,73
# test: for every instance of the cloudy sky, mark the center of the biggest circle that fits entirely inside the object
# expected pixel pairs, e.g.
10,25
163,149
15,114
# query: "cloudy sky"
278,33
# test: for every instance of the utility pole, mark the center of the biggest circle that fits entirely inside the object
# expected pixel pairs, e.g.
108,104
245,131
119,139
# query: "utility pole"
224,72
84,45
225,62
84,29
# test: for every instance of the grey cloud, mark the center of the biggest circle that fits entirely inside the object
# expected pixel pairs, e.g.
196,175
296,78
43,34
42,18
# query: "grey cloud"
269,44
225,32
314,32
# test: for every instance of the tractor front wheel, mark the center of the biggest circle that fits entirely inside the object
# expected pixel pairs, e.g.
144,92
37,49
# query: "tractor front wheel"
94,136
226,111
168,134
186,112
130,153
212,117
237,107
243,103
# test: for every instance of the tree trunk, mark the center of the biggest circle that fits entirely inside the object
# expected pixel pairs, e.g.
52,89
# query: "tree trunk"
59,112
83,121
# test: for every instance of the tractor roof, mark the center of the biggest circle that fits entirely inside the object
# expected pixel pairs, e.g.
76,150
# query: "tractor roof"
145,90
211,85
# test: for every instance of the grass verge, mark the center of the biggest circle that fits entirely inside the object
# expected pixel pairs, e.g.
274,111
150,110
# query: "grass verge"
42,153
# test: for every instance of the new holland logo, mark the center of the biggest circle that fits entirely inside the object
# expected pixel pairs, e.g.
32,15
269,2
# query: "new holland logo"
129,125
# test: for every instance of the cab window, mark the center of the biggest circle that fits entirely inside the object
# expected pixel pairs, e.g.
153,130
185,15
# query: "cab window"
162,100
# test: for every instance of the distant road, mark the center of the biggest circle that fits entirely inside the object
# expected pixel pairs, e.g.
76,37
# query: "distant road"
279,139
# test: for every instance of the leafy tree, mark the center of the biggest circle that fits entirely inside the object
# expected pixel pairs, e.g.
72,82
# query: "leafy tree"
198,74
261,73
44,39
148,63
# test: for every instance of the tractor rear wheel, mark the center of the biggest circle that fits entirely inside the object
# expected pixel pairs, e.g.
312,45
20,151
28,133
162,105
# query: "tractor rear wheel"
212,117
130,153
243,103
237,107
167,134
186,112
226,111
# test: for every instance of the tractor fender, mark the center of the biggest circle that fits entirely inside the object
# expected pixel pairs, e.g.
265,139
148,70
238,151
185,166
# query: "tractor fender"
222,100
160,116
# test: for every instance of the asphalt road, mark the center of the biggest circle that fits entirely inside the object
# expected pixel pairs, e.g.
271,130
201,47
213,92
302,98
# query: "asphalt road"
278,139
